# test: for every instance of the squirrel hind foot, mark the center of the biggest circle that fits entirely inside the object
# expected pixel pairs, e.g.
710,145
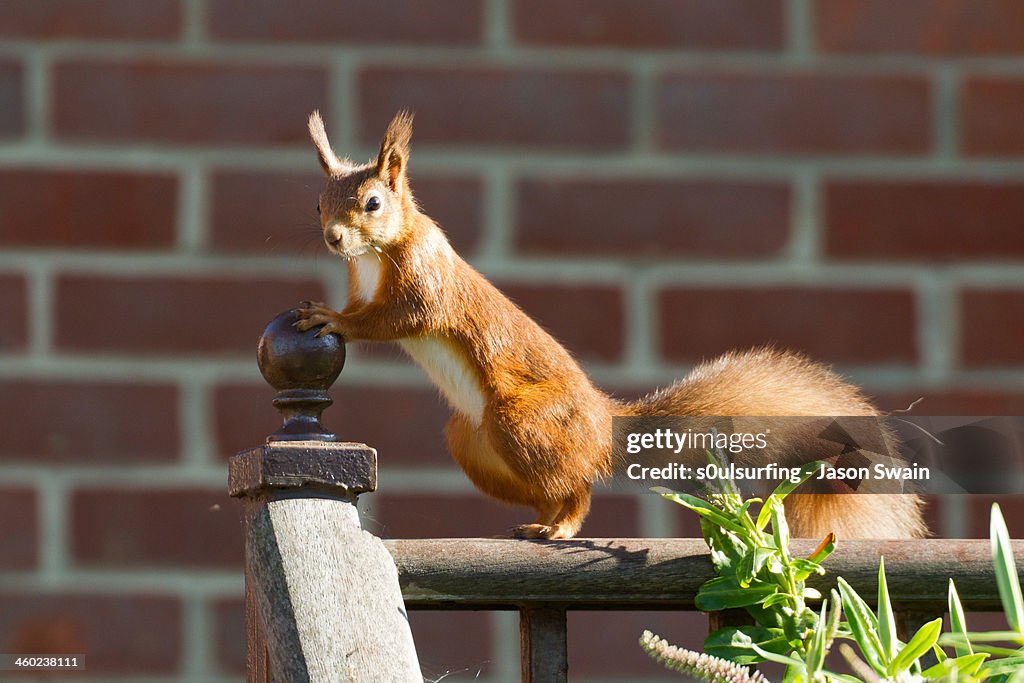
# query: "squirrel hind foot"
551,532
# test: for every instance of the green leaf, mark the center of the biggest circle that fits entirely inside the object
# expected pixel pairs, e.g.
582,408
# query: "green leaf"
706,510
773,657
780,532
817,649
958,622
1006,571
765,514
1008,665
724,593
809,593
745,570
804,568
863,625
967,665
777,599
886,619
734,643
787,486
922,641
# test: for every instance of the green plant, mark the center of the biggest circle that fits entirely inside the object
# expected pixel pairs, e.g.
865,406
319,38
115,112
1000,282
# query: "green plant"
756,572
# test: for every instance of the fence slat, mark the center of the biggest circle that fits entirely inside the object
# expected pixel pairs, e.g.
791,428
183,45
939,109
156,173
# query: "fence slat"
544,654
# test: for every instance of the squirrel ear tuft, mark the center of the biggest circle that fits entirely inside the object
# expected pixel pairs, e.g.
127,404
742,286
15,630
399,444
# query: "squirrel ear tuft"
394,150
328,160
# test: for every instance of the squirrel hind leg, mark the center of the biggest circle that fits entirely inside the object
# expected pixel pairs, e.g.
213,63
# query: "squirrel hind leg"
559,520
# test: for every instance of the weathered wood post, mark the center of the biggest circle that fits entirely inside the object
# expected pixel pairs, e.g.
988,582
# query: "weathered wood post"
323,601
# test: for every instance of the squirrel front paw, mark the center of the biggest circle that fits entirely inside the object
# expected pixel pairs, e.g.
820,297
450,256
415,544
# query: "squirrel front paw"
313,314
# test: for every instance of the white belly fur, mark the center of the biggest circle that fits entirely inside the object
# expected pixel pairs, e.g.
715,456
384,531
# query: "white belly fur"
445,368
449,373
367,274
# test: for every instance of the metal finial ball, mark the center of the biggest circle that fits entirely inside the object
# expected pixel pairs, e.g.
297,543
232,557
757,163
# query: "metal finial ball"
290,359
302,367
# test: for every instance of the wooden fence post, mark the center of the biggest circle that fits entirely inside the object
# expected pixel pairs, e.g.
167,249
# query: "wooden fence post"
323,601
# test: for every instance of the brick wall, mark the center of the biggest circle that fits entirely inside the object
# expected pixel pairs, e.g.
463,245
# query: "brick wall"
841,176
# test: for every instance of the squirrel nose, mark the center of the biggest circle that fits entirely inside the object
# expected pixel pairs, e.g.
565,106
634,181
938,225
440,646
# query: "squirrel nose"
333,232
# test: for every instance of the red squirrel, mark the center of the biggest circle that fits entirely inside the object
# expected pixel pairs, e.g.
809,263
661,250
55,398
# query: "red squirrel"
528,426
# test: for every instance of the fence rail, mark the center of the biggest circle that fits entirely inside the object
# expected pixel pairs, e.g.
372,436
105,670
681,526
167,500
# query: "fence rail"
659,573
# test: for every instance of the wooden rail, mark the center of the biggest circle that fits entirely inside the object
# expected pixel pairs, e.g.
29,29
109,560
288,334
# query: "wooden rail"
543,579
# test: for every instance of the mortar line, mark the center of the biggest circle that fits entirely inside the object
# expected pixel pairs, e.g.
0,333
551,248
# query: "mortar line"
798,47
496,234
54,538
936,326
657,518
497,21
193,209
42,309
193,23
341,93
506,645
197,635
640,321
196,433
946,115
581,163
36,107
643,107
799,30
807,220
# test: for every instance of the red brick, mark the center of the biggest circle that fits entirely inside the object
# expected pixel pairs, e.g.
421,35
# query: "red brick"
12,95
497,106
605,644
171,315
924,220
992,327
953,401
589,320
72,209
229,634
952,27
155,528
991,109
276,212
979,510
459,645
117,634
651,24
438,515
360,413
14,305
19,534
87,422
90,19
832,325
632,217
185,102
793,113
455,22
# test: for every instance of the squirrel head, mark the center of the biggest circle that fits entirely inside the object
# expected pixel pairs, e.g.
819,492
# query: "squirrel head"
363,207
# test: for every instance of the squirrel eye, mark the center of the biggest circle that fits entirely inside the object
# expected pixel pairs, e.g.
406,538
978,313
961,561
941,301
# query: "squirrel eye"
373,203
